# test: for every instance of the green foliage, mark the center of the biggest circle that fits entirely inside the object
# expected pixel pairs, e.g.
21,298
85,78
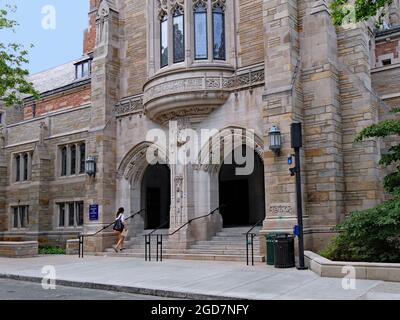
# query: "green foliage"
51,250
371,235
383,129
359,10
13,57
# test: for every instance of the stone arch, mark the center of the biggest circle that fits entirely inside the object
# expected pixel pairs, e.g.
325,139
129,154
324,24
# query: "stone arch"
210,172
129,177
248,138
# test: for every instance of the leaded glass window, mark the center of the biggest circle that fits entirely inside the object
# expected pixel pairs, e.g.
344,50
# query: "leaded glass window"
219,33
178,36
200,31
164,41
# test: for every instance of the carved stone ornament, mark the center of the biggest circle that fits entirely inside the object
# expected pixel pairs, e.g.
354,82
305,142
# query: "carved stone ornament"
104,10
219,3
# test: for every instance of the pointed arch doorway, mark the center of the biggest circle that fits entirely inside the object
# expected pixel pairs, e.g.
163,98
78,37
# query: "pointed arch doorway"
156,195
242,195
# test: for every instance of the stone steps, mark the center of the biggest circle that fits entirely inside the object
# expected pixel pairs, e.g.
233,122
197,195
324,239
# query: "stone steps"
227,245
186,256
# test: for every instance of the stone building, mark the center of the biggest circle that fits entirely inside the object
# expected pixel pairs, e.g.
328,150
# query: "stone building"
238,67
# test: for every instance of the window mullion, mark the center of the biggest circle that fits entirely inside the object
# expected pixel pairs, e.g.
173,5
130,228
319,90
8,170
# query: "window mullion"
210,31
170,38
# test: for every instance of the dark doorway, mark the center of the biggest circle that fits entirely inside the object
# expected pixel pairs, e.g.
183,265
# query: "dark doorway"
156,195
242,195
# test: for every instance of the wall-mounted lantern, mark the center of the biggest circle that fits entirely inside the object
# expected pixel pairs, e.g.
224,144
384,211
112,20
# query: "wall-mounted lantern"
90,166
275,140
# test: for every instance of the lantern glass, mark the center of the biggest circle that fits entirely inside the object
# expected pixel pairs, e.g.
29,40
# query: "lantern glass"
91,166
275,142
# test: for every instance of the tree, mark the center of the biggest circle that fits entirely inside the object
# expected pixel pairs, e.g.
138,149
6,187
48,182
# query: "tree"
358,10
13,57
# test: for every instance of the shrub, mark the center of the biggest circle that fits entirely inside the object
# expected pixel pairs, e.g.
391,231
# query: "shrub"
51,250
371,235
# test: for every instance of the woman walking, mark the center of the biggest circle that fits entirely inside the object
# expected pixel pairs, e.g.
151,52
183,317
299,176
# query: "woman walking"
121,228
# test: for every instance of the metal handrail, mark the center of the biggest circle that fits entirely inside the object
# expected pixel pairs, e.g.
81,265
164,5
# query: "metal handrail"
198,218
251,235
83,236
147,242
159,247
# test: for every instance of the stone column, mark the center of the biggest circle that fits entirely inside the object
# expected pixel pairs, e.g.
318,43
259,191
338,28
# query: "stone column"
3,183
182,195
322,121
282,106
40,218
101,189
363,180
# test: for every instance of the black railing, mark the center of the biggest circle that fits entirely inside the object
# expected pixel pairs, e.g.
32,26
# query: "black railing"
83,236
147,242
250,242
159,247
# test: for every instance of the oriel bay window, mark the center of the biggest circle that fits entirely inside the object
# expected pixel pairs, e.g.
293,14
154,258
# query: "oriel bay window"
70,214
22,166
206,40
72,159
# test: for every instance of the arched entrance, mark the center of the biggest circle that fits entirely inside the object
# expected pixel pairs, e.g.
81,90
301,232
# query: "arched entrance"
242,195
156,195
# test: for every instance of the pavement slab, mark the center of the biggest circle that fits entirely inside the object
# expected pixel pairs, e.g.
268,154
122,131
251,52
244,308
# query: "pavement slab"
193,279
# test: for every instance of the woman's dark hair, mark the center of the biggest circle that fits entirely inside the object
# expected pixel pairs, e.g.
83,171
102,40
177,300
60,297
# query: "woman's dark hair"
120,210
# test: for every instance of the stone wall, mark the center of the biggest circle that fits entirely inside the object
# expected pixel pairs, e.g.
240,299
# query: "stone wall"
250,32
133,50
25,249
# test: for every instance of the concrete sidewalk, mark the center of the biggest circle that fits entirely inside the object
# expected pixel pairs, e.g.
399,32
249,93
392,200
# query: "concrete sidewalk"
193,279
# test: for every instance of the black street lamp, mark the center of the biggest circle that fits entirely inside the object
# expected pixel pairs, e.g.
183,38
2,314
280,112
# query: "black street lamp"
297,143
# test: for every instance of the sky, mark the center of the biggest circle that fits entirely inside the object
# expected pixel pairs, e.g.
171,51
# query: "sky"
54,27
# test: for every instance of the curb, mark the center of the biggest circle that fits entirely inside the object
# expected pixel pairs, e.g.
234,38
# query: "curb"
124,289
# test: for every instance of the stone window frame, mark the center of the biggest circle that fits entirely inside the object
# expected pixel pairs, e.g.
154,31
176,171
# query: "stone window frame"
2,117
19,206
154,48
79,166
67,202
22,167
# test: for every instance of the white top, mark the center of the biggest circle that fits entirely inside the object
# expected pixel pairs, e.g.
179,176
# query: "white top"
120,216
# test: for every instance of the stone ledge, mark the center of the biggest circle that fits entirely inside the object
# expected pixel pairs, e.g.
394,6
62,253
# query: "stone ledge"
364,270
72,247
22,249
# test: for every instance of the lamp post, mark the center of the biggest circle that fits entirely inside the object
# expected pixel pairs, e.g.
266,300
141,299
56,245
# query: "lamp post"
275,140
90,166
297,143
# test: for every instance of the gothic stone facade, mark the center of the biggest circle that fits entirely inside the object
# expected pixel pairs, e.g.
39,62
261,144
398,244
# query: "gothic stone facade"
281,62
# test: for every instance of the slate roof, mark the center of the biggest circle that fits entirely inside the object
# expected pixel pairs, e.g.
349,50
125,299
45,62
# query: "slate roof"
57,77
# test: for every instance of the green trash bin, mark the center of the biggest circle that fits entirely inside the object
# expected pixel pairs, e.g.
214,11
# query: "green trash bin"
270,237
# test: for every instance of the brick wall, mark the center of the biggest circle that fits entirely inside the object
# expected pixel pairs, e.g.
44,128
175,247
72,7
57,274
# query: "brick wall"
89,37
59,101
387,49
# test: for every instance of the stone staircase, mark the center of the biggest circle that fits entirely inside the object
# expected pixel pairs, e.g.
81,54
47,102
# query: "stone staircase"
227,245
